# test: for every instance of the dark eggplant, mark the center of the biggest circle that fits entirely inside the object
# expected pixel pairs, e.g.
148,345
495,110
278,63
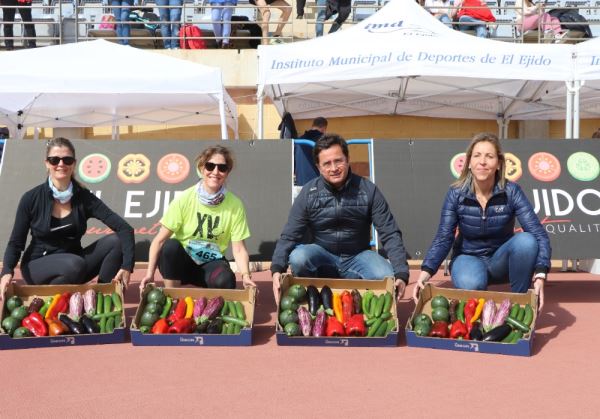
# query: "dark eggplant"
497,333
356,302
76,328
327,299
202,327
215,327
35,305
314,299
476,333
90,325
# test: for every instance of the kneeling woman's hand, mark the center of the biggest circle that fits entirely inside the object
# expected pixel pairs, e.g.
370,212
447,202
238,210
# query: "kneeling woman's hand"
538,288
123,277
4,281
423,278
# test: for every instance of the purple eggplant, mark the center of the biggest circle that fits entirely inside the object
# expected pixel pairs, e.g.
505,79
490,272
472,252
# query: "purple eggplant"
320,324
213,308
314,299
327,299
305,320
199,306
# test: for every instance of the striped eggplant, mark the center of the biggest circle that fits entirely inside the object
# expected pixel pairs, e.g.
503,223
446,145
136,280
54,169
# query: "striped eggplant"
76,306
488,315
320,324
199,306
213,308
89,302
305,320
502,313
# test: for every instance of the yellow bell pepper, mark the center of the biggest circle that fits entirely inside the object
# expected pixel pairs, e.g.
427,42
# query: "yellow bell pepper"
189,303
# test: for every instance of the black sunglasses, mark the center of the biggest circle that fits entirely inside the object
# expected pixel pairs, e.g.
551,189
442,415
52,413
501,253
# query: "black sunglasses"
54,160
223,168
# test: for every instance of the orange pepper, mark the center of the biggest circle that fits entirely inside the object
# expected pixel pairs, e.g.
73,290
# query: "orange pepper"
337,307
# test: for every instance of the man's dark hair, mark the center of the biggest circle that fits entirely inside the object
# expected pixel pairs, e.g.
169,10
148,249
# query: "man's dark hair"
319,122
327,141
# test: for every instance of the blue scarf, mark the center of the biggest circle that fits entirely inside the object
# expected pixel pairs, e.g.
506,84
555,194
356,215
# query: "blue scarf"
62,196
208,198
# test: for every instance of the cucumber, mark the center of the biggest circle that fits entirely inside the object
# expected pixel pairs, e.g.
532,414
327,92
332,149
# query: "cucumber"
110,325
239,310
372,305
380,332
379,307
232,310
386,315
370,321
366,301
521,314
528,317
116,301
234,320
102,325
387,302
237,329
99,303
510,337
224,309
391,323
107,304
514,311
373,329
118,320
106,315
516,324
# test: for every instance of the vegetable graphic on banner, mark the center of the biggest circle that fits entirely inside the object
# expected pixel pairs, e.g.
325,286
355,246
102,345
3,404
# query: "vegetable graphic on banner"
173,168
544,167
94,168
583,166
133,168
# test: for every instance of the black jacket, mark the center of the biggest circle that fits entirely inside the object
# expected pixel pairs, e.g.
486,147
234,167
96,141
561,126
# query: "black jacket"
34,213
340,222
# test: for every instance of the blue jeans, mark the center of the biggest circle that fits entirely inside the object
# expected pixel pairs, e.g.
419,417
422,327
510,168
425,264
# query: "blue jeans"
321,6
220,15
311,260
445,19
477,25
514,260
171,18
122,15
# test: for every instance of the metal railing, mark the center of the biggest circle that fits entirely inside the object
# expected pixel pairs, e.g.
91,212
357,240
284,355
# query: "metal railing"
64,21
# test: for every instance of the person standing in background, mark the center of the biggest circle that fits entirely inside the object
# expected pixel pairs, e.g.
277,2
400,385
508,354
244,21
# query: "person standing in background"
221,13
170,16
9,9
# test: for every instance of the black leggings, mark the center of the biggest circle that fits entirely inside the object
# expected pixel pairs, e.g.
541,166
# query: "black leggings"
175,264
103,258
9,18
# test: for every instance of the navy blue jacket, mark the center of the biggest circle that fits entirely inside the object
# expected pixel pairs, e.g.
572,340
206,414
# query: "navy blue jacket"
481,232
340,222
34,214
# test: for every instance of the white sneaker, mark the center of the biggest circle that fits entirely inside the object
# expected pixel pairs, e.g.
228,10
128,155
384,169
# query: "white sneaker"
558,38
275,41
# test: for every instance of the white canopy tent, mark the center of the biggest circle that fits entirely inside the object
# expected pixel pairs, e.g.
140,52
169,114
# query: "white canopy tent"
403,61
101,83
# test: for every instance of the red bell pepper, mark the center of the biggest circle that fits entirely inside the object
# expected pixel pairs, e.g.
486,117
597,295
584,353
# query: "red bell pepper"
35,324
347,306
356,326
458,330
160,327
61,306
183,325
179,312
470,309
334,327
439,330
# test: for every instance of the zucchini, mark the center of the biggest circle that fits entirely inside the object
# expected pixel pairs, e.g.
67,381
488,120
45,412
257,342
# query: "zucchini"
106,315
380,332
102,325
237,329
517,325
366,301
518,335
234,320
232,311
521,314
386,315
391,323
370,321
224,309
510,337
110,325
99,303
387,302
514,311
373,329
116,301
528,318
239,310
379,307
107,303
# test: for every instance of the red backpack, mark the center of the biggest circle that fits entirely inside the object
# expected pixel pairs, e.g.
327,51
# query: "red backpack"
191,31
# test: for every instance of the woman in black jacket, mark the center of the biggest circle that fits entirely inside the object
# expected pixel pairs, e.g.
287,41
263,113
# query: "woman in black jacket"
483,206
56,214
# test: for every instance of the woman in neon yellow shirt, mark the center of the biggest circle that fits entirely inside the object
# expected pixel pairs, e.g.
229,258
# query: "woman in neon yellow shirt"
197,229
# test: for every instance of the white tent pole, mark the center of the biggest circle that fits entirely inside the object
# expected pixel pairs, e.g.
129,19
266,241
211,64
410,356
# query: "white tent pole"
36,133
569,116
223,119
577,86
259,117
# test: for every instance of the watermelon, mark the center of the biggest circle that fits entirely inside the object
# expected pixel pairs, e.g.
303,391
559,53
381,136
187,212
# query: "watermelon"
94,168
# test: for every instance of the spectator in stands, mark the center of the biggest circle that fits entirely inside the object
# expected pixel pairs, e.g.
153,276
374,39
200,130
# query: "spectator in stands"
121,10
56,214
474,15
304,165
336,210
531,17
265,13
596,134
340,7
197,229
321,8
222,10
441,10
482,207
8,12
170,16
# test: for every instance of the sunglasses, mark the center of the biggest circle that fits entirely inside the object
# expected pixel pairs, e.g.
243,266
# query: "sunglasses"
222,167
54,160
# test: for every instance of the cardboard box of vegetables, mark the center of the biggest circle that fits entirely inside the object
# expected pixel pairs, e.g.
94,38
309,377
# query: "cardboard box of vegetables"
194,317
336,312
59,315
473,321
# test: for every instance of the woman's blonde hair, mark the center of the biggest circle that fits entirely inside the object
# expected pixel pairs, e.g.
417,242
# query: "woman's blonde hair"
211,151
465,180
